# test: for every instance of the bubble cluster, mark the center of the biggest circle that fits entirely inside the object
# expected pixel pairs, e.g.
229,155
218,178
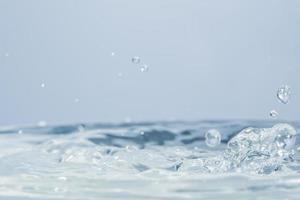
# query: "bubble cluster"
261,150
212,138
283,94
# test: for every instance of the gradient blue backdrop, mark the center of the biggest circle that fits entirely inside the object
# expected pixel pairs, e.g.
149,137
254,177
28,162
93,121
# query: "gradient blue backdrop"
208,59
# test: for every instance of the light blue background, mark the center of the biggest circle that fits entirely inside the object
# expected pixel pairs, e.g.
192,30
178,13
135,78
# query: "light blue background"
208,59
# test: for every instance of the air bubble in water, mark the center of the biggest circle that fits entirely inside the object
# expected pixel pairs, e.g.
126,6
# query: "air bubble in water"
273,114
283,94
144,68
136,60
212,138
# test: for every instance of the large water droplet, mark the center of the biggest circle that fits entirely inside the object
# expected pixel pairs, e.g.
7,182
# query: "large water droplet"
136,60
212,138
283,94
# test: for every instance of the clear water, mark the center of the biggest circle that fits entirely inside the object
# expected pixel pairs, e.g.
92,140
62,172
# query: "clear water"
165,160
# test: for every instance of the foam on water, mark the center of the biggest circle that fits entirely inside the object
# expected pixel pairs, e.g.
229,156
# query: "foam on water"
150,161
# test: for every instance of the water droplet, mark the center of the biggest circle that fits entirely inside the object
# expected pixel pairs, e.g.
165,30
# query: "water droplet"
212,138
144,68
43,85
76,100
112,53
285,136
283,94
273,114
136,60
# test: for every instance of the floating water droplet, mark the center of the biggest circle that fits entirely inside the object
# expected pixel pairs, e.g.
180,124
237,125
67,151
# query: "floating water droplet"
136,60
144,68
273,114
212,138
283,94
43,85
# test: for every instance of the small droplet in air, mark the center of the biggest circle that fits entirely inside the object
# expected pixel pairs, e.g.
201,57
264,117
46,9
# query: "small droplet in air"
43,85
212,138
273,114
283,94
136,60
144,68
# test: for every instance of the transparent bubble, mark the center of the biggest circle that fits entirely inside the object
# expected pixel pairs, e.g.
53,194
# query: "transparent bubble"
285,136
212,138
283,94
144,68
273,114
136,60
